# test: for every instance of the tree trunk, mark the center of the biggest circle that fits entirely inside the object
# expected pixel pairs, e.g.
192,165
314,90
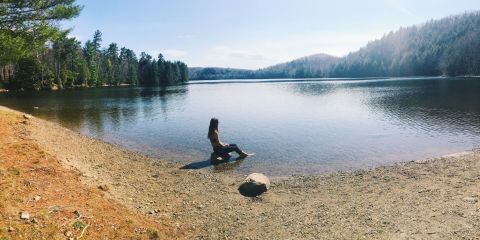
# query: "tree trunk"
59,77
2,78
9,73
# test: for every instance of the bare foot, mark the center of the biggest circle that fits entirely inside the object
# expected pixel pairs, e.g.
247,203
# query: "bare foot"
244,155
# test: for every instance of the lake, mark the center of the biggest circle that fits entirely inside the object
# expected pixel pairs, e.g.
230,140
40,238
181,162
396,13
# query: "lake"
293,127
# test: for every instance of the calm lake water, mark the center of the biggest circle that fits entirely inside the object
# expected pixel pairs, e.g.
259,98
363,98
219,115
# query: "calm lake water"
306,127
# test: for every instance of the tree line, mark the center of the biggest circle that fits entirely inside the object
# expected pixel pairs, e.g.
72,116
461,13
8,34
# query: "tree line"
449,46
36,54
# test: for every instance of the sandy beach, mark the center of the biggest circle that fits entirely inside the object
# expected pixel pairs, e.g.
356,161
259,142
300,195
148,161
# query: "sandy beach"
123,195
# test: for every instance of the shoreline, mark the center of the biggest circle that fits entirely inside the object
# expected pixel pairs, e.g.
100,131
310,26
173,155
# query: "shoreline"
432,198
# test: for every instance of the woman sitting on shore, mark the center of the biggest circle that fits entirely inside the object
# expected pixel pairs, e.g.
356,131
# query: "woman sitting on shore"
219,148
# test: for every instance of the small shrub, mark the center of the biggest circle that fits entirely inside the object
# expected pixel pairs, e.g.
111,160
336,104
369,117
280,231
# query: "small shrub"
79,224
153,234
14,171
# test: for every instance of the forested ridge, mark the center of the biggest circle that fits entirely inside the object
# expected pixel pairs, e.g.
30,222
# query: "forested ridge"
449,46
36,54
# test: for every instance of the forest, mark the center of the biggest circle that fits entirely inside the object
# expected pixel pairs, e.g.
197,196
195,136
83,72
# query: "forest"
449,46
36,54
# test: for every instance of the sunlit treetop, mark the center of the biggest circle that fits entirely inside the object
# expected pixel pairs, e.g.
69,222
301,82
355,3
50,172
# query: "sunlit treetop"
24,15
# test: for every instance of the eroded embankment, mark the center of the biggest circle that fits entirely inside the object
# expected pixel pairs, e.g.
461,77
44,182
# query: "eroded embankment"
58,204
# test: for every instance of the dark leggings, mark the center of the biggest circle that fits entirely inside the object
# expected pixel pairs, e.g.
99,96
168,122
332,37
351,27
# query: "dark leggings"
223,150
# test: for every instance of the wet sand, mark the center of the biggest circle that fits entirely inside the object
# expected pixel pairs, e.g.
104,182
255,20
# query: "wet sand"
434,199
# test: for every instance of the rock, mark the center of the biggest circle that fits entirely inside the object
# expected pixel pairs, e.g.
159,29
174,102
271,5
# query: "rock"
36,108
470,199
24,215
27,116
254,185
37,198
11,229
34,220
151,212
77,213
104,187
54,209
68,233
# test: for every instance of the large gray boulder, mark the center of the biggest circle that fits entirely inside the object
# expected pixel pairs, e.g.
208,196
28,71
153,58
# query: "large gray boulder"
254,185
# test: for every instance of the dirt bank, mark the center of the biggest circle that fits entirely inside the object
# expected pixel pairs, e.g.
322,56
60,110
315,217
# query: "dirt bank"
427,199
58,203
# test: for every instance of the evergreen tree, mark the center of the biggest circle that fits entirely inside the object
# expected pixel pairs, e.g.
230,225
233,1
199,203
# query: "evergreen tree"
25,26
36,54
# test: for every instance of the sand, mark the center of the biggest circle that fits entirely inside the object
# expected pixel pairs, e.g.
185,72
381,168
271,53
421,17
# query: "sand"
434,199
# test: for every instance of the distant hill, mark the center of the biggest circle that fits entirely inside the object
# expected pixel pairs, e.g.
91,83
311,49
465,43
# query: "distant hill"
316,65
214,73
449,46
310,66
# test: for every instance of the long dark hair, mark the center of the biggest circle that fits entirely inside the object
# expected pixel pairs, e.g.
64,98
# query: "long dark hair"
213,127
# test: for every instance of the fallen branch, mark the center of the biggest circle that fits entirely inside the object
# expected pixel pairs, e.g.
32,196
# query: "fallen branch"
83,231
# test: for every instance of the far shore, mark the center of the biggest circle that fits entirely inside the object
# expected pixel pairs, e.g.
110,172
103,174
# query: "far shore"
209,81
436,198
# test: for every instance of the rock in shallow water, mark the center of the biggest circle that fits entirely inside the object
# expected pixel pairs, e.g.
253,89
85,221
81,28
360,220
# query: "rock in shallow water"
254,185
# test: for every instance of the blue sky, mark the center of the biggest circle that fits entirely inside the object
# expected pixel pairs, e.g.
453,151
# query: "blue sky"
251,33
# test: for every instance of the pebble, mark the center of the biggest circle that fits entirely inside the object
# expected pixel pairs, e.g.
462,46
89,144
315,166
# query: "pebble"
25,215
77,213
54,209
470,199
103,187
27,116
37,198
68,233
10,229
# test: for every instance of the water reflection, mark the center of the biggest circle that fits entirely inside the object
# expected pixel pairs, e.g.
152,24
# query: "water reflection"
314,88
449,106
95,108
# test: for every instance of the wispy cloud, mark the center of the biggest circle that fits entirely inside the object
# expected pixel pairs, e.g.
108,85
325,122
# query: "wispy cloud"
238,53
399,5
79,38
257,53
